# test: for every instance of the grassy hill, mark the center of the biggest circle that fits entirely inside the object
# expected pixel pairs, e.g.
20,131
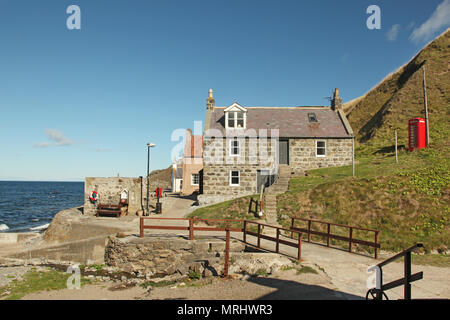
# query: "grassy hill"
399,97
409,201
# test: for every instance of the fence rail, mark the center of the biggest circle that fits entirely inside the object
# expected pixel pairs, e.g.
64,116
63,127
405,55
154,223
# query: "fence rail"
276,239
191,228
328,235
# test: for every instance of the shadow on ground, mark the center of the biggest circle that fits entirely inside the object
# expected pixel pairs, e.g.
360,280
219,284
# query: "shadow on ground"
291,290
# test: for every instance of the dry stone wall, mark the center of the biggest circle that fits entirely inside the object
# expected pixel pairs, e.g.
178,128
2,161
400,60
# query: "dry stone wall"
159,257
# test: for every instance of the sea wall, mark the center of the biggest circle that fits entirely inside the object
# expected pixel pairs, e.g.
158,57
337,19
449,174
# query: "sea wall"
109,190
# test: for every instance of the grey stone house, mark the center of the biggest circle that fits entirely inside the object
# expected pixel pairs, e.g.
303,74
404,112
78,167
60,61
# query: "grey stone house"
244,147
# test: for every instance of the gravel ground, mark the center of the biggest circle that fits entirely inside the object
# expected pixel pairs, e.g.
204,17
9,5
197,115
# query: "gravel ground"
282,285
7,274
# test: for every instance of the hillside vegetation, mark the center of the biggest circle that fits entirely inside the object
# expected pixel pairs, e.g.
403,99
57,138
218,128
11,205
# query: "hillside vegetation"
409,201
399,97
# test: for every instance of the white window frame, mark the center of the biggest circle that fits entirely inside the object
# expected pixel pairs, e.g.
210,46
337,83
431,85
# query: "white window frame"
238,176
235,107
325,148
231,147
192,179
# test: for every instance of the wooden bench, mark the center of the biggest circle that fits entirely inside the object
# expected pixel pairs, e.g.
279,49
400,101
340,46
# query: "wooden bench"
108,210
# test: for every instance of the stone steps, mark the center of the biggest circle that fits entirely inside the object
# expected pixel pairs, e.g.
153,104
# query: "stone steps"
270,200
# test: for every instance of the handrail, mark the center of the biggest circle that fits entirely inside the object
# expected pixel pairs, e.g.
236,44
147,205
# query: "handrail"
191,228
276,239
328,235
261,198
378,293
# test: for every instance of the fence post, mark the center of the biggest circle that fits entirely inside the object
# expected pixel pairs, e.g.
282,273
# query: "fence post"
245,231
309,230
191,229
299,254
328,235
292,226
141,227
227,249
350,241
407,288
259,236
278,240
376,242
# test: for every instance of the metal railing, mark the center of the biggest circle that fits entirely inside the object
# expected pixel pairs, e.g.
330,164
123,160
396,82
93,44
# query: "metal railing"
379,293
328,235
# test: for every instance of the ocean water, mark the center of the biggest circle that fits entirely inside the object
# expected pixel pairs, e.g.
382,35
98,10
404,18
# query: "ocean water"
27,206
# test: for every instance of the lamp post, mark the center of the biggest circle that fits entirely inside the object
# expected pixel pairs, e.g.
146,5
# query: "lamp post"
149,145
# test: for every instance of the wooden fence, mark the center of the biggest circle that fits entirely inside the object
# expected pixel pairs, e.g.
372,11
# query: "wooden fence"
329,235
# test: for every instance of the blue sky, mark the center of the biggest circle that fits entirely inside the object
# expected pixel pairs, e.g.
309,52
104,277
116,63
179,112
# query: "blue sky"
77,103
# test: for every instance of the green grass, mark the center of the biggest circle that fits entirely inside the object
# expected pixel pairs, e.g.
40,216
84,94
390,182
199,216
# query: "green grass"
231,209
408,202
36,281
159,284
306,269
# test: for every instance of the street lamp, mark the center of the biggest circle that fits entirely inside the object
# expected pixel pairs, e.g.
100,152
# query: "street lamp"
149,145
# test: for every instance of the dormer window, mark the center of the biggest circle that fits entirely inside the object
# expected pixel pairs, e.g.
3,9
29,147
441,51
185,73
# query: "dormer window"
235,117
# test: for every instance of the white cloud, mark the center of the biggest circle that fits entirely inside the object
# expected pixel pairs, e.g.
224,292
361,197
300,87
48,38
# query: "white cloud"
102,150
58,137
393,32
438,20
42,145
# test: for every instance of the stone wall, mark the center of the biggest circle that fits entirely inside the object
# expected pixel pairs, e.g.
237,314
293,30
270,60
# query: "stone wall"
255,154
158,257
109,190
302,156
302,153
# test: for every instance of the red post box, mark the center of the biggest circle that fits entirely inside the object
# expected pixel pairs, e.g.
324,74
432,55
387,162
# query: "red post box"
417,134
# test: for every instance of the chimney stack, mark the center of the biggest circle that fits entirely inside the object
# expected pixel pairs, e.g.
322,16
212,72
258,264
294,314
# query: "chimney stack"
210,100
336,102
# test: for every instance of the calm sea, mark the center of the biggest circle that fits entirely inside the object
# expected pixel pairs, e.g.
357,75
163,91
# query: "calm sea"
30,206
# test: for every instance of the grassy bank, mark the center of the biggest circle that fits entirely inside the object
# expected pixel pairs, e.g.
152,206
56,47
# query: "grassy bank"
408,202
36,281
231,209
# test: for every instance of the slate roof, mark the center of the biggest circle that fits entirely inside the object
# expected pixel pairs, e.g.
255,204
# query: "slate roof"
292,122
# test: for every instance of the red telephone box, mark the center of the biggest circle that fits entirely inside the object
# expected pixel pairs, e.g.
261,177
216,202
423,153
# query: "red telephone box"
417,134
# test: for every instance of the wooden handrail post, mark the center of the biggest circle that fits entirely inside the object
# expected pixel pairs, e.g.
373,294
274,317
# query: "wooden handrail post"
259,236
350,240
141,227
377,250
278,241
227,249
245,232
407,288
328,235
299,253
191,229
309,230
292,226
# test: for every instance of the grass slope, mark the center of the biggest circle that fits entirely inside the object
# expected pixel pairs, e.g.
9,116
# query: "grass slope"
408,202
399,98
